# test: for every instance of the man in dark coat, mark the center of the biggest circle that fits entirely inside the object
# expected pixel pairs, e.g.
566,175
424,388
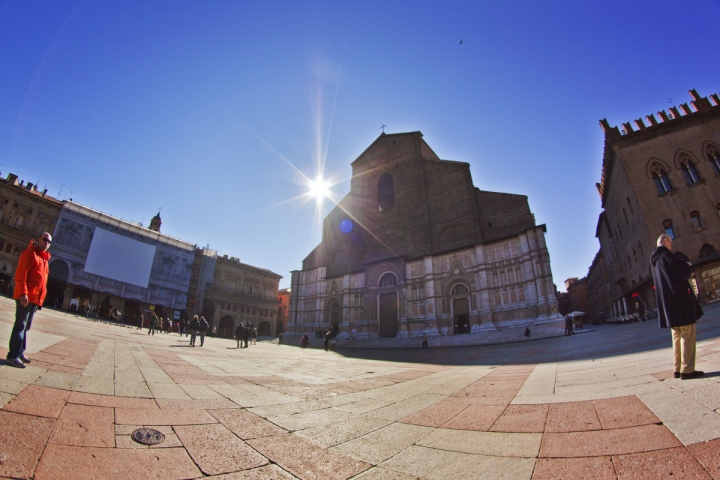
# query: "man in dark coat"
239,334
677,306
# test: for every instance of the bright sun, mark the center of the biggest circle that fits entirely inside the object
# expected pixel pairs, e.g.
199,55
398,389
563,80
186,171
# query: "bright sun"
319,188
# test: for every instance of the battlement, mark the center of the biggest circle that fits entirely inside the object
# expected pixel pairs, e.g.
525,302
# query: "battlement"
697,105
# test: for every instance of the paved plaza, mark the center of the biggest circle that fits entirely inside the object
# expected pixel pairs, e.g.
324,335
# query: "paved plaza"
598,405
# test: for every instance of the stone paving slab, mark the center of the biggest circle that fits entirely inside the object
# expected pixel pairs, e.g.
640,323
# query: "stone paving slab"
202,441
608,442
670,463
305,459
604,404
38,401
77,463
690,421
495,444
378,446
22,439
421,462
589,468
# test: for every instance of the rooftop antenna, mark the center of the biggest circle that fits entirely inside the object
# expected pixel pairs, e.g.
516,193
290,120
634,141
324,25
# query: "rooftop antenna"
60,191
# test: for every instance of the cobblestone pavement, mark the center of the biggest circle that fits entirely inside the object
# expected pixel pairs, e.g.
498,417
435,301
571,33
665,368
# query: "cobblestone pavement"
598,405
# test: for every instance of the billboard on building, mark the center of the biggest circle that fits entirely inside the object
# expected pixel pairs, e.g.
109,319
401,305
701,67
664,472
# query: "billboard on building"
120,258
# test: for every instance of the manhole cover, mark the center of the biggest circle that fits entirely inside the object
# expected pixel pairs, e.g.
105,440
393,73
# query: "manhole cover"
147,436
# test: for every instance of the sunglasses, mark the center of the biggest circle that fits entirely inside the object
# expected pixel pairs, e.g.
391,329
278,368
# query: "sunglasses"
47,240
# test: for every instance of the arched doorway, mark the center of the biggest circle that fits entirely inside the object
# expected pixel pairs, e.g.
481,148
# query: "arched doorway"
460,308
264,329
227,327
461,315
388,321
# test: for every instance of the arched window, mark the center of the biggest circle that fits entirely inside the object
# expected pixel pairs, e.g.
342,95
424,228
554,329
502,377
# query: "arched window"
713,154
668,227
388,280
659,176
688,168
458,289
695,221
386,192
707,251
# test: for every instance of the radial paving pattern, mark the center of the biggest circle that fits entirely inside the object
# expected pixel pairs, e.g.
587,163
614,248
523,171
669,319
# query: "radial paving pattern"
598,405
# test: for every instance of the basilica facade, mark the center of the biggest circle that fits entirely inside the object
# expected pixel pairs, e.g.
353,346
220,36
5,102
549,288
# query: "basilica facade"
415,248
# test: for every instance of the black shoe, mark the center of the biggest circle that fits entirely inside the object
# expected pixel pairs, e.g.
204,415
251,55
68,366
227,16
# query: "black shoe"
24,358
15,362
690,376
676,374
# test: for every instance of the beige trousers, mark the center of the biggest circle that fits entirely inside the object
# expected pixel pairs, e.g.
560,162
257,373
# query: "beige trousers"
684,348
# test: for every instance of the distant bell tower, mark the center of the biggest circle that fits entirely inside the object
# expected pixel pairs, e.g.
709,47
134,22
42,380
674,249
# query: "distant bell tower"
155,223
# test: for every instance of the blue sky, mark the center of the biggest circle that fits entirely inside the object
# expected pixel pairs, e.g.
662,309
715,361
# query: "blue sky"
214,111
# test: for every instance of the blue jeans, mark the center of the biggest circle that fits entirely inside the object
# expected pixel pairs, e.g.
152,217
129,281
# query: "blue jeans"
23,321
193,336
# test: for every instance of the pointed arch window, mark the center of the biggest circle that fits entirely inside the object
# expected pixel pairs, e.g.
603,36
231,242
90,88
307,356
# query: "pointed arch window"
668,228
712,153
688,168
695,221
386,192
662,182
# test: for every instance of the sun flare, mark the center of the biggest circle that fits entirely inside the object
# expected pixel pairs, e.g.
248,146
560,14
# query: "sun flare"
319,188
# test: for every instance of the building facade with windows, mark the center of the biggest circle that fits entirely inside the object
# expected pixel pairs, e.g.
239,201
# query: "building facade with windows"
415,248
25,213
164,292
283,307
659,177
241,293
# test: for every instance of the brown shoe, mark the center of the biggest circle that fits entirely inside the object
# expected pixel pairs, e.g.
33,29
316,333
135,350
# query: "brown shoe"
676,374
690,376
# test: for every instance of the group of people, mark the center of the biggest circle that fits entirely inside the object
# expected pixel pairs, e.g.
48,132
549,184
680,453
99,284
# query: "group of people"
326,337
198,325
244,333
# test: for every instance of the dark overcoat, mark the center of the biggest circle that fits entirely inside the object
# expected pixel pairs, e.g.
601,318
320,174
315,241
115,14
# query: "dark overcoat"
677,305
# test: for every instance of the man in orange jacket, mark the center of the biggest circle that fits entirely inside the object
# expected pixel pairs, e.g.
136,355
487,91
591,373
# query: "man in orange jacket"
30,289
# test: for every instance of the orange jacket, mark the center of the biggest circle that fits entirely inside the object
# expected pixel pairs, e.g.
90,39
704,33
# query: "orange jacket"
32,274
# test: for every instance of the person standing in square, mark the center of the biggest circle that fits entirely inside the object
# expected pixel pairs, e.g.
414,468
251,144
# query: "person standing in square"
677,306
30,289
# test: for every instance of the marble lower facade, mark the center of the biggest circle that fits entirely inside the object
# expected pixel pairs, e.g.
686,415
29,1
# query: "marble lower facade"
470,291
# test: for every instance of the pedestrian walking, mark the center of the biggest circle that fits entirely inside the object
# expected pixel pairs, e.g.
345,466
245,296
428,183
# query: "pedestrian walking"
186,326
239,333
214,331
326,341
677,306
304,341
424,340
254,336
194,326
569,325
246,336
141,321
153,324
280,339
203,330
31,278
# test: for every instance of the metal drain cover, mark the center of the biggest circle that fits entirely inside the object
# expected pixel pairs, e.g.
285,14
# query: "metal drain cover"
148,436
